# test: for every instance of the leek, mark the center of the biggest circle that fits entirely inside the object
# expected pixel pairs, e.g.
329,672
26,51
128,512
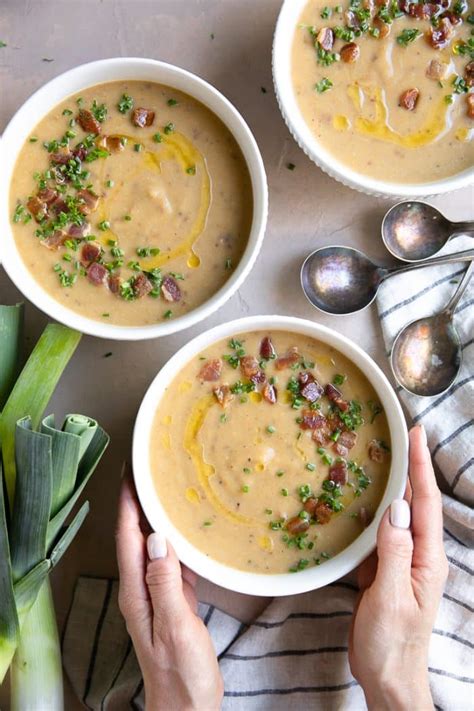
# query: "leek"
45,469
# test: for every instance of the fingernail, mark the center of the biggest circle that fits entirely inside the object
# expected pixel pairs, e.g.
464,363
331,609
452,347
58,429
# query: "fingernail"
423,435
400,513
156,545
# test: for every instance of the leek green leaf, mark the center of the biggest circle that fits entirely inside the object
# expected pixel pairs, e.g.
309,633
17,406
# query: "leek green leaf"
11,328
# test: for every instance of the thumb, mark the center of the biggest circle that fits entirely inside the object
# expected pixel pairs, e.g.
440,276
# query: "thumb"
395,547
164,580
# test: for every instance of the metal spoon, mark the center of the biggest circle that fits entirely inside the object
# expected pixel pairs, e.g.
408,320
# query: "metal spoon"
343,280
426,354
413,231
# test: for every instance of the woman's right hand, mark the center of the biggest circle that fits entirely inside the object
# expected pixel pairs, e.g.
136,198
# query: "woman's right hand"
401,586
158,602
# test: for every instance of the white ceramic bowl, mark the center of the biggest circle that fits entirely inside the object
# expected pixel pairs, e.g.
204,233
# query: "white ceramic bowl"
78,79
231,578
281,60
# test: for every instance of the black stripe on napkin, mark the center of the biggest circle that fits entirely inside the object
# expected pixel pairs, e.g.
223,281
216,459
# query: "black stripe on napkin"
95,646
302,616
416,296
451,535
119,671
442,398
455,637
294,690
458,602
442,672
452,436
461,471
285,653
460,565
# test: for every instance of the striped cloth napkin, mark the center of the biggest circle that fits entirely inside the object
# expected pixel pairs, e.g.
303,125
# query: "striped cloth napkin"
296,651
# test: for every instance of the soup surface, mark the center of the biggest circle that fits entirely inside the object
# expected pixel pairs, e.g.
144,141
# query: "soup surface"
386,86
131,203
270,452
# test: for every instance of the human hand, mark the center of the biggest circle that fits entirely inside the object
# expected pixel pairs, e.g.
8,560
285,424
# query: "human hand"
401,586
158,601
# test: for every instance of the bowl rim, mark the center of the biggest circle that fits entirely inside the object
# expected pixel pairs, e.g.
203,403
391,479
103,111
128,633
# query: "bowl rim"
102,71
219,573
289,13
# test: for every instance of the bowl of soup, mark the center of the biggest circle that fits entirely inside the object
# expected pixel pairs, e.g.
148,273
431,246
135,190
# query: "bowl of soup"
379,94
133,198
267,450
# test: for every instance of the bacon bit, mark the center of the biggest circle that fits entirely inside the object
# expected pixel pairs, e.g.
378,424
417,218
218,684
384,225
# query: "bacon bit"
312,420
310,389
79,231
170,289
436,70
90,252
88,122
345,442
270,393
409,99
97,273
142,117
267,349
310,505
351,20
59,206
376,451
90,201
223,395
325,38
249,366
285,361
440,36
335,396
452,17
258,378
114,282
80,152
468,74
38,208
322,435
425,11
470,105
47,195
350,53
297,525
211,370
61,158
338,472
55,240
365,516
141,285
382,27
322,513
114,144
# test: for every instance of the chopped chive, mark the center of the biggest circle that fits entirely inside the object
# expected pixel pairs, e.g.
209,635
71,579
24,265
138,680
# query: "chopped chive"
228,263
104,225
284,492
172,102
33,139
137,147
127,218
271,429
110,183
290,166
168,314
310,466
157,137
169,128
245,489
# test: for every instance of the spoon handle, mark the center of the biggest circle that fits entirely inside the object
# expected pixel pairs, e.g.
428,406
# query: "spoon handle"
462,228
456,297
466,255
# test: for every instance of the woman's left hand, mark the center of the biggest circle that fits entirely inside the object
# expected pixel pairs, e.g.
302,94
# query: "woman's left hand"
158,601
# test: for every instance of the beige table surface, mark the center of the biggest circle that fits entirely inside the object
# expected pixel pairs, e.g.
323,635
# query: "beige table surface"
307,209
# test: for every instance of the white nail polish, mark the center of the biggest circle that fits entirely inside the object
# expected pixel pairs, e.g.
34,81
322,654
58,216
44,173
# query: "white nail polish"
400,513
156,545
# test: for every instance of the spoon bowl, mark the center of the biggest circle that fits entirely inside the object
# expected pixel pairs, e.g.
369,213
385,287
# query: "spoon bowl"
413,231
340,280
426,355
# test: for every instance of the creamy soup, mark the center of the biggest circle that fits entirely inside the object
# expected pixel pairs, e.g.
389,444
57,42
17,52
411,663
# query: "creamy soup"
270,452
386,87
131,203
